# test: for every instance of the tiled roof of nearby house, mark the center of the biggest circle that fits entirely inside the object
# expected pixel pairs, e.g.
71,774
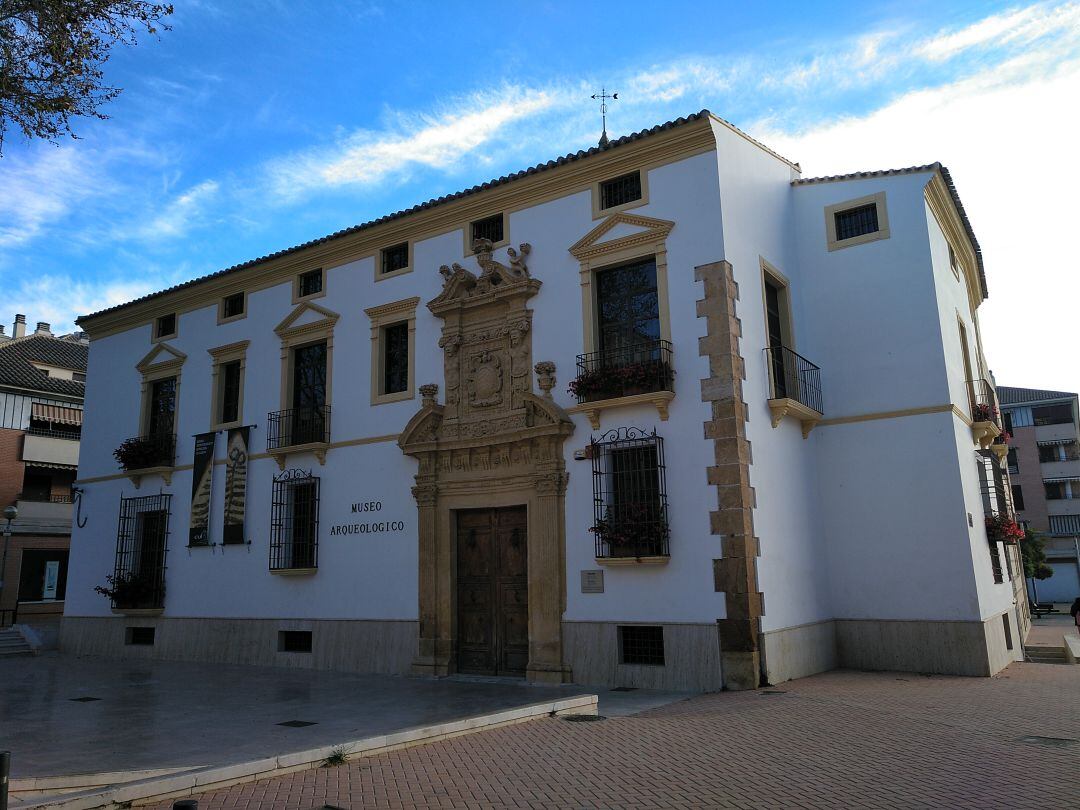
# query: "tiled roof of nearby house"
1018,396
509,178
18,355
930,167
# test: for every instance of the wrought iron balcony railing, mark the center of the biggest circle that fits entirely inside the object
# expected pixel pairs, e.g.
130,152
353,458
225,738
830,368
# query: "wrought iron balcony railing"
638,368
296,426
792,376
53,433
143,452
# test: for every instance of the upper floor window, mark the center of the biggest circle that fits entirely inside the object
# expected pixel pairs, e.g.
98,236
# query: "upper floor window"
229,397
161,407
629,494
954,263
308,420
78,376
1018,497
1013,462
1060,414
856,222
1058,490
165,326
232,306
395,358
620,190
490,228
628,312
395,259
309,284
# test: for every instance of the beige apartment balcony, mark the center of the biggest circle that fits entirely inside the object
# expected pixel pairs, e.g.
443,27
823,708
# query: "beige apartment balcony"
1051,470
34,509
48,447
1049,433
1063,506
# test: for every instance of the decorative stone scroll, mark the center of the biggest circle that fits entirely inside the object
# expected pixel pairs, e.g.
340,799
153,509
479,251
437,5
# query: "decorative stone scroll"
494,442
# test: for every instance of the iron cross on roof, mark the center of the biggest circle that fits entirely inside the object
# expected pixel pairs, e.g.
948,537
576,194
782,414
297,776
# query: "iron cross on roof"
603,97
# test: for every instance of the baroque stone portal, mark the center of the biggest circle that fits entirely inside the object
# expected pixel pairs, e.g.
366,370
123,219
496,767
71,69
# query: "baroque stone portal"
494,443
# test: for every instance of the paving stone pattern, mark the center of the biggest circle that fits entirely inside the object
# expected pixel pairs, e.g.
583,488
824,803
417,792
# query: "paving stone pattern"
842,739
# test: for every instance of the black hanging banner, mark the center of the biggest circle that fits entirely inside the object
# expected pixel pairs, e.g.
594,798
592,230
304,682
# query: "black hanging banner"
202,484
236,472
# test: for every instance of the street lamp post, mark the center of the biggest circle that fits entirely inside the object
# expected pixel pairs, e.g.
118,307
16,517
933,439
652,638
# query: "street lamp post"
10,513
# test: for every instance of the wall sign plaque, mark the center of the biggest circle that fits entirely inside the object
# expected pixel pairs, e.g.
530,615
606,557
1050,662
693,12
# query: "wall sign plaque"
592,581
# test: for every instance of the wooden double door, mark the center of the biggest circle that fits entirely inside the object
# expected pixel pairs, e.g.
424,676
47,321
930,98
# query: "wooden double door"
492,591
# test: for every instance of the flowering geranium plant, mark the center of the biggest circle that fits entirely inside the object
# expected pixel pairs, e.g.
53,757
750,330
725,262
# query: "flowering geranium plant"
132,590
985,413
1004,438
607,382
1003,529
633,530
144,451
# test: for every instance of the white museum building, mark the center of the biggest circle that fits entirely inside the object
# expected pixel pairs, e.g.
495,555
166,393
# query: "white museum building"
662,413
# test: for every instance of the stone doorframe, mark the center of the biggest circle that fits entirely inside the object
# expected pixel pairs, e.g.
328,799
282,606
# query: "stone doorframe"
493,443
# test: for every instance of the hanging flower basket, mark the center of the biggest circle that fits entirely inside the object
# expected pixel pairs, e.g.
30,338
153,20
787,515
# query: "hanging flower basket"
985,413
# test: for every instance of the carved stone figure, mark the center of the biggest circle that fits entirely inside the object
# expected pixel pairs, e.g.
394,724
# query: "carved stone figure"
485,380
545,377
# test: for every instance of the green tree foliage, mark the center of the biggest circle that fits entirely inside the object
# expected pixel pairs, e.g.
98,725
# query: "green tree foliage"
1033,551
51,57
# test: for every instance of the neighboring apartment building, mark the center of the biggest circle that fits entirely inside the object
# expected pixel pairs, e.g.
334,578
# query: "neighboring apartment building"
1044,465
42,378
361,453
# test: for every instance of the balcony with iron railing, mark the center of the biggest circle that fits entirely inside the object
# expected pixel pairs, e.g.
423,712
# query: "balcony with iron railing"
1065,525
794,388
642,371
44,507
985,414
153,454
298,430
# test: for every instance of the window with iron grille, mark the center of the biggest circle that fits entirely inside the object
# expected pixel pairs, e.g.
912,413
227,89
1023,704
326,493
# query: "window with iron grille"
395,358
294,521
230,392
232,305
162,411
309,283
490,228
856,221
629,494
640,644
992,484
395,258
141,546
620,190
165,326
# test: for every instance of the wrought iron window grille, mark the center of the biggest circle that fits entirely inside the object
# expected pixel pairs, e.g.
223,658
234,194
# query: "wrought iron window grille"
395,258
852,222
141,548
490,228
620,190
640,644
630,510
294,521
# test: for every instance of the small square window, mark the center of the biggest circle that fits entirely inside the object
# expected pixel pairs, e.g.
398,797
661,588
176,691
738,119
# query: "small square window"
490,228
620,190
858,221
295,641
642,645
395,258
232,306
165,326
309,283
139,636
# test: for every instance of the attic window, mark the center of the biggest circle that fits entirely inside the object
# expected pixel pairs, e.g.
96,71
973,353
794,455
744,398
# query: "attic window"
620,190
395,258
490,228
165,326
232,306
309,284
857,221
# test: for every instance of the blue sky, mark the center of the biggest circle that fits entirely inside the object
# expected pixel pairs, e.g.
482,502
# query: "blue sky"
254,126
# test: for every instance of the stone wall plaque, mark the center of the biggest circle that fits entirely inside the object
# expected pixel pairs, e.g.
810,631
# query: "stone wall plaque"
592,581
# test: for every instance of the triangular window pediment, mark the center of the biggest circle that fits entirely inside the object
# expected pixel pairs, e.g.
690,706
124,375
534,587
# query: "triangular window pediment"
306,316
620,231
161,356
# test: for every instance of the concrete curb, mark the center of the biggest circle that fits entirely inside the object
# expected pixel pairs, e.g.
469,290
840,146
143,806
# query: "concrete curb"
141,791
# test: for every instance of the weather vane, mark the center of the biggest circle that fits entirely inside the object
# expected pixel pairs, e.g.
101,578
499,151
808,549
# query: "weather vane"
603,97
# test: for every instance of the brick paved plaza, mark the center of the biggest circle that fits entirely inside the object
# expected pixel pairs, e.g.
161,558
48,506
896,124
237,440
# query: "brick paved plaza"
842,739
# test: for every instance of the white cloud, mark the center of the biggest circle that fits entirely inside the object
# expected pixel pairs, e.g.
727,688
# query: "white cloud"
178,216
1022,26
43,189
1008,136
439,141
